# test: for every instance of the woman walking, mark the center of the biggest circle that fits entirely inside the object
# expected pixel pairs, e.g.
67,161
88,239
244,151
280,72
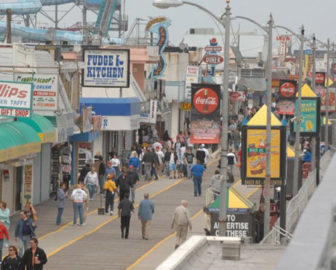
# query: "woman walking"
91,181
12,261
4,216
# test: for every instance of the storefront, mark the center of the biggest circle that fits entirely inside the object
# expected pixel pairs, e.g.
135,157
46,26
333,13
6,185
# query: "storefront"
20,146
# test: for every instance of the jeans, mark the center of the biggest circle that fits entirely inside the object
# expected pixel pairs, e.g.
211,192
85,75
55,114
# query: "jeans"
24,244
1,245
101,183
92,190
197,185
148,167
59,216
189,165
133,194
109,202
78,209
117,171
167,168
153,172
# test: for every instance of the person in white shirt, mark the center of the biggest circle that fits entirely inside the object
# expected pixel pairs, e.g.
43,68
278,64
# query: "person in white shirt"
91,181
207,155
78,196
116,164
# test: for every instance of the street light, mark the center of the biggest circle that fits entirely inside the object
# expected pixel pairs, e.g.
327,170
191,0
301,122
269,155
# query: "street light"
225,117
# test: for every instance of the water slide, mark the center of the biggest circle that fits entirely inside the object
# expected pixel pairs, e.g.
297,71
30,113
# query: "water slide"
25,7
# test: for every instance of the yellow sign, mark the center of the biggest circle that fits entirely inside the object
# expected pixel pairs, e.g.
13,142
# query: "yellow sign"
256,153
185,106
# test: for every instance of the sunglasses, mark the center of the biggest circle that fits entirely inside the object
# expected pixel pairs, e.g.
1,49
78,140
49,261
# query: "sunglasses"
11,249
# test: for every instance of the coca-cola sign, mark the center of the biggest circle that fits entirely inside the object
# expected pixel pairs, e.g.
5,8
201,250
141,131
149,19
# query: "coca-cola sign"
206,100
319,78
288,89
205,113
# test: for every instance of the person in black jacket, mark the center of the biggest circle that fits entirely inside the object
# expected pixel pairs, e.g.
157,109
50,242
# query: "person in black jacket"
148,160
124,184
12,261
35,257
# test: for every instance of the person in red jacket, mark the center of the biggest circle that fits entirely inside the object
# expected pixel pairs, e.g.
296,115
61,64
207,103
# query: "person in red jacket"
3,233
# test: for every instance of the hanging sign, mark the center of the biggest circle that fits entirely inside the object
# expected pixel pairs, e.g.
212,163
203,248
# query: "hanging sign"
106,68
205,114
309,112
16,99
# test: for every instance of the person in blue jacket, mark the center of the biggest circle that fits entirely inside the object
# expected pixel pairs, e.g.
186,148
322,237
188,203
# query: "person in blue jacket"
197,171
134,161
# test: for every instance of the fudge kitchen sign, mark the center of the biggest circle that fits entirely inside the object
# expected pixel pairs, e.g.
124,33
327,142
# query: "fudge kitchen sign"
16,99
205,114
106,68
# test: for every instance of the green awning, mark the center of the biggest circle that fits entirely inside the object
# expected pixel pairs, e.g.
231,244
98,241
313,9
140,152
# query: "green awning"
18,139
42,126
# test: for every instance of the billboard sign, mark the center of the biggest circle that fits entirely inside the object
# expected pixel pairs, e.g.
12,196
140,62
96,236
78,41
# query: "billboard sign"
45,92
285,107
326,105
309,112
205,113
106,68
192,76
16,99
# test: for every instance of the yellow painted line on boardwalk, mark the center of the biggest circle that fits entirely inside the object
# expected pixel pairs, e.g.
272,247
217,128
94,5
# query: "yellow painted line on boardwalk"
109,220
252,192
158,244
89,214
236,183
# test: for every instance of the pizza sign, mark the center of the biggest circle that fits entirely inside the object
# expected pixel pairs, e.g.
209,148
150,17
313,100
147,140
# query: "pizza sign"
206,100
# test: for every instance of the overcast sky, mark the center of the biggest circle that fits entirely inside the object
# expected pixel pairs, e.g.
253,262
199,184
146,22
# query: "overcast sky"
318,16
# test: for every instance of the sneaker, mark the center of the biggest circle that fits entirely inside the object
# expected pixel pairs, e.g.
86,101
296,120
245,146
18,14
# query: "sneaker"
111,213
83,224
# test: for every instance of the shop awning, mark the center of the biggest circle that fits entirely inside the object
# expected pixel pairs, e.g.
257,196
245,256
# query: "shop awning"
18,139
42,126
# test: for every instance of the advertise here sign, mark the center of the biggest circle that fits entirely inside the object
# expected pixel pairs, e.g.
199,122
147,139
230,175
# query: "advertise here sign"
45,90
106,68
16,99
238,225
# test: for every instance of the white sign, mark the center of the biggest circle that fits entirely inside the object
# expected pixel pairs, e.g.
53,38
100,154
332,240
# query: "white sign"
16,99
153,111
106,68
192,76
45,90
120,122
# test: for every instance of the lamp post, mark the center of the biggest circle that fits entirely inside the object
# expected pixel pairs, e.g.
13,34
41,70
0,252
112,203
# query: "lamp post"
269,31
225,117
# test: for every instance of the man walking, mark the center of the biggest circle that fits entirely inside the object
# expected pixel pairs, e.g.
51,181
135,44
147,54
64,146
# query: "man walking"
133,178
78,196
197,172
61,194
110,189
188,161
124,212
24,230
181,223
148,160
124,184
35,257
145,213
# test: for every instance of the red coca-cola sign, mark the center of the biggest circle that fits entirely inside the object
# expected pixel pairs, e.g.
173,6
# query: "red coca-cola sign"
320,78
206,100
287,89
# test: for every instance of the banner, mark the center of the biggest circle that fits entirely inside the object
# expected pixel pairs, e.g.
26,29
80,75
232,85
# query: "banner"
192,76
256,153
205,114
106,68
45,92
331,98
308,123
16,99
159,26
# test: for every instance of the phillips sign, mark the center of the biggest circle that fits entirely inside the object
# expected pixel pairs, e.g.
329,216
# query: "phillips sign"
16,99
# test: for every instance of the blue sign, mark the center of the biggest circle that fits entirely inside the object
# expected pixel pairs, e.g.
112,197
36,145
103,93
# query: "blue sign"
308,122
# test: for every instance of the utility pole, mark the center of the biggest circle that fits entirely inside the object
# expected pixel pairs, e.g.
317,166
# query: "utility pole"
268,128
225,119
85,26
326,135
298,120
9,26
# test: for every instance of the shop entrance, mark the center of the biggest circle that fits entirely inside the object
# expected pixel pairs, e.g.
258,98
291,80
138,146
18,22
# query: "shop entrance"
18,188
